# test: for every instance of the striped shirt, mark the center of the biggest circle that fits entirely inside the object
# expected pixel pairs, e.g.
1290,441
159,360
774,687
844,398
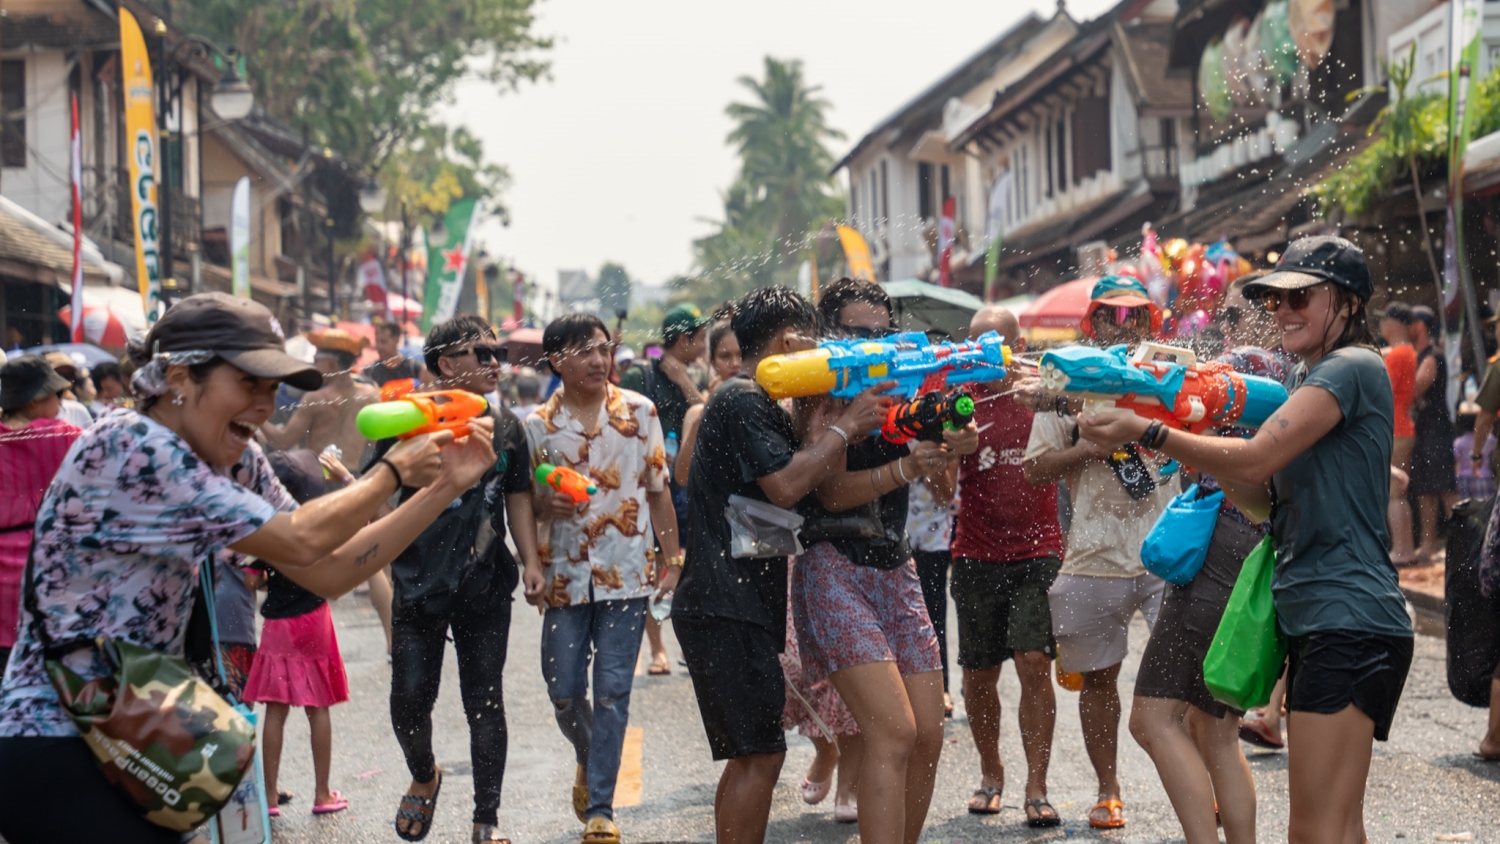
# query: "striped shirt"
29,458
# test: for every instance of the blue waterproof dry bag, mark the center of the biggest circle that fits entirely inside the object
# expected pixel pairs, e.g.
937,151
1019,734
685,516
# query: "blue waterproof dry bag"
1177,545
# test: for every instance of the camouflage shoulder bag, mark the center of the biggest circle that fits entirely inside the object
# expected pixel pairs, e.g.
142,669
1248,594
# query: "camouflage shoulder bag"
159,732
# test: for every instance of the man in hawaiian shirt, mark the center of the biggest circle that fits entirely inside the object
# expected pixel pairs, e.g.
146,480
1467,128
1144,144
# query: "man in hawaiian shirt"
597,568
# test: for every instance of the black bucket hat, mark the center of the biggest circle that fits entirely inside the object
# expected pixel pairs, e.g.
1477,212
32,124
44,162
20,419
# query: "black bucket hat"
240,331
1314,260
26,379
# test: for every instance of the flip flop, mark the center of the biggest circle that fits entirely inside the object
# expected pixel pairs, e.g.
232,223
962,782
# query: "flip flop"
274,811
580,797
1041,821
601,831
991,797
339,804
1254,731
284,797
659,670
417,809
1482,758
1116,811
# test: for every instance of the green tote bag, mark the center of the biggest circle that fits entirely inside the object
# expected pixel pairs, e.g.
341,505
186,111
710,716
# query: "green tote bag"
1248,651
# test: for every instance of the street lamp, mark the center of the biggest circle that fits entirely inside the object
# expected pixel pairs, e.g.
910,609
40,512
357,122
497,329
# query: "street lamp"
232,98
372,198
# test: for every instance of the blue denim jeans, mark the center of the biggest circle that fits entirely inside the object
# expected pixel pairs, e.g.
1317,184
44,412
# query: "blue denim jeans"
609,634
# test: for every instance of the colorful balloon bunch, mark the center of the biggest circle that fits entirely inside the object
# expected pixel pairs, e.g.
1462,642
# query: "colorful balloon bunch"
1186,279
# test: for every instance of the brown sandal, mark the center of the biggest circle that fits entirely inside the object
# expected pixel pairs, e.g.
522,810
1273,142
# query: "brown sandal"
990,795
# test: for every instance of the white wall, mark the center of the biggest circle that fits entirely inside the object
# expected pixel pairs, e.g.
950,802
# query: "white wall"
41,187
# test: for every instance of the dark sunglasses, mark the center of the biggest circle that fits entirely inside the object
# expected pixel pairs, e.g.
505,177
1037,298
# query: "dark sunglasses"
1295,299
1231,316
859,332
1124,315
483,355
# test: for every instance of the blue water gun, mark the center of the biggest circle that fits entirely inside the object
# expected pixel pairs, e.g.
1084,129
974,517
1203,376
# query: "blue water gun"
1162,382
845,368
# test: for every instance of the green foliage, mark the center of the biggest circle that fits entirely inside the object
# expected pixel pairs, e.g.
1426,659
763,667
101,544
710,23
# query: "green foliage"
363,76
1409,128
613,288
783,194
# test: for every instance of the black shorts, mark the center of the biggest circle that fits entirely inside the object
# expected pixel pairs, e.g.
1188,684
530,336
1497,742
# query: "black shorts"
1329,670
738,682
54,791
1172,666
1002,608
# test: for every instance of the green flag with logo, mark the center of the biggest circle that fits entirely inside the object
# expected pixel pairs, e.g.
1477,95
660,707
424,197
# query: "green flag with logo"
447,260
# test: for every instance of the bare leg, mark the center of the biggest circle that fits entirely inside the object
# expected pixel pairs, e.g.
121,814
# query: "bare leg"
1489,746
1038,710
876,696
1327,765
1429,506
659,662
742,807
925,692
1398,515
824,762
380,598
982,700
270,746
1159,725
321,727
1218,741
851,756
1099,710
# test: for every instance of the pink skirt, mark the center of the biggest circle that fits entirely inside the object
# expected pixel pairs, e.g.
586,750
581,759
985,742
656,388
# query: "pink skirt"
298,663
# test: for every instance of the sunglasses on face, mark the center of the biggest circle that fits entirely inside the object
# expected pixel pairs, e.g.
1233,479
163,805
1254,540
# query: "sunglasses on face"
860,332
1295,299
483,355
1124,315
1231,316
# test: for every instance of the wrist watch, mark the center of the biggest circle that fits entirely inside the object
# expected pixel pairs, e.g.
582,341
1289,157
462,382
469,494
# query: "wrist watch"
675,561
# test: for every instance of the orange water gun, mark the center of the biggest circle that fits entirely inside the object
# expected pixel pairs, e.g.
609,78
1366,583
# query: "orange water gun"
570,482
404,413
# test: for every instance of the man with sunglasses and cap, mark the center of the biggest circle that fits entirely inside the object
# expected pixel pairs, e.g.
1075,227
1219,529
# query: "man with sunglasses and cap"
1118,493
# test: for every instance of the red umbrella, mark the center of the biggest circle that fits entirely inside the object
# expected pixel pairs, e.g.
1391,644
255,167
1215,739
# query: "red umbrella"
101,325
402,308
1064,306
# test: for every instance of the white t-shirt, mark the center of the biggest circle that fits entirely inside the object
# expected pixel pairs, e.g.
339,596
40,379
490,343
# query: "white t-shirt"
74,413
1108,528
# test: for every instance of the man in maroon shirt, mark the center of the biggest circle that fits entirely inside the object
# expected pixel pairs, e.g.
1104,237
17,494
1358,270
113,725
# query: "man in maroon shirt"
1007,547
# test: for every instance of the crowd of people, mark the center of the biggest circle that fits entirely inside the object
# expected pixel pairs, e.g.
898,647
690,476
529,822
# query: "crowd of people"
236,453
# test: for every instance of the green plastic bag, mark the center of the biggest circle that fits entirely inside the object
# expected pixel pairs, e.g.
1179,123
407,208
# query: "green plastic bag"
1248,651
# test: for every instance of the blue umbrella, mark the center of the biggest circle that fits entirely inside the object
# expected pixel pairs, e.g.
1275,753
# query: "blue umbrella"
83,354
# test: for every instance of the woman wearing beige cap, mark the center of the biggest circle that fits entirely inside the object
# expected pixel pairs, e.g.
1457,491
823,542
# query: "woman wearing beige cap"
142,499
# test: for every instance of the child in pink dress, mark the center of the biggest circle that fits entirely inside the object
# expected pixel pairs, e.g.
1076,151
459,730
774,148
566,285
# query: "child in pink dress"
298,663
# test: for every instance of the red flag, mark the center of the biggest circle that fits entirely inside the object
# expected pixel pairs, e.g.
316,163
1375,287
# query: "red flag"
945,240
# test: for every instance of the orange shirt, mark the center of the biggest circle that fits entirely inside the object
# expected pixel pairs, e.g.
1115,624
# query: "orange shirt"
1401,365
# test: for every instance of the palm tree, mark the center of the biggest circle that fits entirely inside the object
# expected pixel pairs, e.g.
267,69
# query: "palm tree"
784,170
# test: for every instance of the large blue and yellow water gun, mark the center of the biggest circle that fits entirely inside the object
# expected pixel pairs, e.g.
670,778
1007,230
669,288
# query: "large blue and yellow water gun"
845,368
1161,382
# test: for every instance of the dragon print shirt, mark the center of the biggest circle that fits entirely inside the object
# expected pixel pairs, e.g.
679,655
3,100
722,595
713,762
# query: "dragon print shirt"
606,552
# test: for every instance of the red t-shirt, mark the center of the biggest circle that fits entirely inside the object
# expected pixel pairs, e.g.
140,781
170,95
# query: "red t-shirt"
1001,517
1401,365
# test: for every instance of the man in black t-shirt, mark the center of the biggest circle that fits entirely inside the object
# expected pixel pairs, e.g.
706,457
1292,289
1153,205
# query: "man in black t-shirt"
392,365
729,613
459,575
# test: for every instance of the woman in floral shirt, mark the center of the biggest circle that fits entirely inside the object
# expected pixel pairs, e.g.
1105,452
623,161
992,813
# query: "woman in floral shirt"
141,500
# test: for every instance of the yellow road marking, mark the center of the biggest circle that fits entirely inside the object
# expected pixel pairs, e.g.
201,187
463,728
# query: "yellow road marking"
628,783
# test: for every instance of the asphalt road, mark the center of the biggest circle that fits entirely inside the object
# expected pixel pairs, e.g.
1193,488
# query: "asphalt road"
1423,782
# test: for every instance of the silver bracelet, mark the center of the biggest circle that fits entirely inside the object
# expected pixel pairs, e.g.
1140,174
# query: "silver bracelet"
840,431
902,471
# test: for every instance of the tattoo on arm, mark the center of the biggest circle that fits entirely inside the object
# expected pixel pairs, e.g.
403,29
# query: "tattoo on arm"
368,554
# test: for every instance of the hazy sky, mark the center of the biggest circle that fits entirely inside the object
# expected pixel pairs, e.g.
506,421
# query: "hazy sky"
621,155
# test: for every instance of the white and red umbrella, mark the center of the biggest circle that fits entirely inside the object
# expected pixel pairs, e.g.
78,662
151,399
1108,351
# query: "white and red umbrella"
400,307
112,316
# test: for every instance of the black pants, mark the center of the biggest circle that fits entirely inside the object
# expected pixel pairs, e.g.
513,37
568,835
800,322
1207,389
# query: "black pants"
932,570
481,631
54,791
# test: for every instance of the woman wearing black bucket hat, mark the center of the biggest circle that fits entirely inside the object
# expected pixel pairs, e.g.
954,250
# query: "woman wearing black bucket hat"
1318,468
142,498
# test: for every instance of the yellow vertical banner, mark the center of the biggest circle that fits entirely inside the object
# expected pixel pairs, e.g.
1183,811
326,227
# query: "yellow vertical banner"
857,253
140,130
